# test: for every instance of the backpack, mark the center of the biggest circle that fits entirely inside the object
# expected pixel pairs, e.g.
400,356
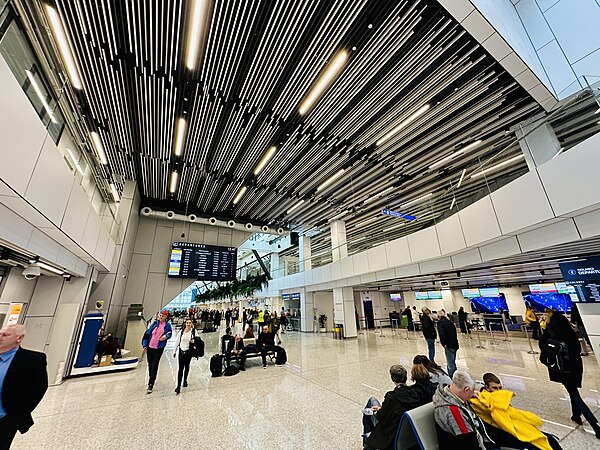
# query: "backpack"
555,354
281,357
231,371
216,365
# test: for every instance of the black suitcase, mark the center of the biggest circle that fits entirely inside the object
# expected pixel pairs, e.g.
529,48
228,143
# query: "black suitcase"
216,365
281,357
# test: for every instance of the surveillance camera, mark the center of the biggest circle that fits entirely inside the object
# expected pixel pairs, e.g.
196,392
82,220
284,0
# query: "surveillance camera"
32,271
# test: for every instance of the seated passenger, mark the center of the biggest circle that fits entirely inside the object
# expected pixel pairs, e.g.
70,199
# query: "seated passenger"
438,376
457,425
266,343
235,348
249,333
225,339
508,426
380,421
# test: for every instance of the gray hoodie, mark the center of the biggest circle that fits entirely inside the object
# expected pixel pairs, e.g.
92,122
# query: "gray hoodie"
446,406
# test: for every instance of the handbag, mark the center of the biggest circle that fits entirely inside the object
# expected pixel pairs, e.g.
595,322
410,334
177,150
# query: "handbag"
196,345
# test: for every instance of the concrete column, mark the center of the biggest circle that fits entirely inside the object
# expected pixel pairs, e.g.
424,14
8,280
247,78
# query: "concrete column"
538,142
307,307
305,253
343,304
276,266
339,247
590,315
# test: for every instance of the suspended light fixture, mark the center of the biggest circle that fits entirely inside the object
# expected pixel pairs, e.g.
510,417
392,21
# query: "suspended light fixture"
63,46
265,159
323,83
99,147
402,125
179,136
293,208
195,31
173,184
239,195
330,180
497,166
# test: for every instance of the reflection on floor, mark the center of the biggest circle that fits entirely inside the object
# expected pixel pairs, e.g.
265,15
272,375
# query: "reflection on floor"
313,402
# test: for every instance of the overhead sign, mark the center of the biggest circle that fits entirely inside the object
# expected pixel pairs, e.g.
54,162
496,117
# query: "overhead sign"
389,212
584,276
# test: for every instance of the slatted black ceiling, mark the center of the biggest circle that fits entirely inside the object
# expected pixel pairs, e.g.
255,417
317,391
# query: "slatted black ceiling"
259,60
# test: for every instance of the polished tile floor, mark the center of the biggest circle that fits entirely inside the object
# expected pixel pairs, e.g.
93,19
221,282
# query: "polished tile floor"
313,402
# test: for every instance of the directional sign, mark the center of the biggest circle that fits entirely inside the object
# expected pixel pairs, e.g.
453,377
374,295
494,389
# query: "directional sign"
389,212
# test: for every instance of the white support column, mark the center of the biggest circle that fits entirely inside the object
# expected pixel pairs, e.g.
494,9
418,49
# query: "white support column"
339,247
540,143
276,266
307,306
343,304
305,253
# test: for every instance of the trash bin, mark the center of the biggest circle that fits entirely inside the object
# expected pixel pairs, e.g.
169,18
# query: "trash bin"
338,331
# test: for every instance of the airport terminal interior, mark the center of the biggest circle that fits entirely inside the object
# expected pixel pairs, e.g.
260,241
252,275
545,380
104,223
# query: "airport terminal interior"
343,184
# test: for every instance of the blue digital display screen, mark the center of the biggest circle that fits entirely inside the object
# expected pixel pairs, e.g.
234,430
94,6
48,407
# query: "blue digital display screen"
541,301
488,305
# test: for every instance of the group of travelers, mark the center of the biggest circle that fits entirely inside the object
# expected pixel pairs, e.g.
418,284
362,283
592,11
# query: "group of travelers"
447,335
470,418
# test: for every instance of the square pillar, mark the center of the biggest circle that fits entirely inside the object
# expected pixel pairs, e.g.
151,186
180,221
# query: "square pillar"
307,311
339,247
305,253
343,304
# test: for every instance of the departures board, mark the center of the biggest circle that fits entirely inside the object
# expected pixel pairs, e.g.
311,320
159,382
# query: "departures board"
202,262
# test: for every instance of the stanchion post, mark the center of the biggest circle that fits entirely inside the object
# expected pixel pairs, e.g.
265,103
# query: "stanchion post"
492,333
407,331
479,340
531,350
506,338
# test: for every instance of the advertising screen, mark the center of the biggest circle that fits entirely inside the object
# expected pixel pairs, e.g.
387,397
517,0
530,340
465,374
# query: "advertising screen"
543,300
489,292
202,262
434,295
396,297
471,293
489,305
421,295
545,288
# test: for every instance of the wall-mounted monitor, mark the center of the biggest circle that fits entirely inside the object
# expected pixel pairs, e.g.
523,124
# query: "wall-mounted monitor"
202,262
396,297
489,292
471,293
421,296
435,295
489,305
544,288
552,300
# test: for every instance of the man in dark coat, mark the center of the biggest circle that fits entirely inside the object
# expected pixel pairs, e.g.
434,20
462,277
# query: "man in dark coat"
558,328
449,341
23,383
380,421
429,333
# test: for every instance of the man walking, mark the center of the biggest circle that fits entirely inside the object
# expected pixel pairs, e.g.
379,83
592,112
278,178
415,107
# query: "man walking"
428,331
449,341
23,383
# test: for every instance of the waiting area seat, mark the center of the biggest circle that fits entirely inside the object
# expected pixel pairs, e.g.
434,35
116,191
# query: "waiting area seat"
417,430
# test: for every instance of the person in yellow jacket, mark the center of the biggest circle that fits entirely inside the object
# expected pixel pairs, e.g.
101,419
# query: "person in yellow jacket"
505,424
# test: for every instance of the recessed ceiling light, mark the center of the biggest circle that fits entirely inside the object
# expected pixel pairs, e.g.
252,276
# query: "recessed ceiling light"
339,216
295,206
265,159
379,195
365,222
330,180
462,176
329,75
113,191
99,147
404,123
173,184
64,47
197,21
179,136
417,200
497,166
239,195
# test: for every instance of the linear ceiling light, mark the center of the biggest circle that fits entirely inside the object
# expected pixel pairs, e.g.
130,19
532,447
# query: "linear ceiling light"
365,222
265,159
173,184
239,195
332,71
197,20
295,206
49,268
393,228
179,136
404,123
63,45
40,95
453,202
497,166
115,194
338,216
379,195
417,200
462,176
330,180
99,148
76,162
455,154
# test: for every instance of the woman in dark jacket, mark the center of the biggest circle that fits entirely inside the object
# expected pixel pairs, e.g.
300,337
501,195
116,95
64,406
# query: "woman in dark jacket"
559,329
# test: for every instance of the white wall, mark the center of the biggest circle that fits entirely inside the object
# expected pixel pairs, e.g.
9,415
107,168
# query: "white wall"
323,302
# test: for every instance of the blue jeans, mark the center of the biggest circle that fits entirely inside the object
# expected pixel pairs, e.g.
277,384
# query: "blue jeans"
451,360
431,347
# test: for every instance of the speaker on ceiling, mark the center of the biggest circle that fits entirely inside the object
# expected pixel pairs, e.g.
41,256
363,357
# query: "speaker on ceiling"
231,224
248,226
212,221
264,228
146,211
170,215
293,238
192,217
